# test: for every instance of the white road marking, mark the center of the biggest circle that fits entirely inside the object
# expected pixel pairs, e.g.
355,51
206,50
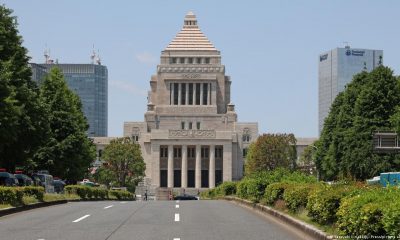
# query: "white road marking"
122,202
176,206
176,217
177,239
177,201
109,206
81,218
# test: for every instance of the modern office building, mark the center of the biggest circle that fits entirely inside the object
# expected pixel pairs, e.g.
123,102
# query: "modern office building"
90,82
190,137
336,69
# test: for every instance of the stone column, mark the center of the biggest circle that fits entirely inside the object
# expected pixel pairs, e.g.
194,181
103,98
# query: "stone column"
227,163
179,93
208,94
172,93
211,169
194,93
187,94
197,182
170,166
184,167
201,94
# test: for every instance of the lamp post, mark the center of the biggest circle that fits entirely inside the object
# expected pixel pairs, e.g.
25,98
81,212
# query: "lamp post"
314,162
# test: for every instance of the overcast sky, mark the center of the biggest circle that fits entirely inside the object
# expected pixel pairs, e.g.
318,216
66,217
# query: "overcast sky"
269,48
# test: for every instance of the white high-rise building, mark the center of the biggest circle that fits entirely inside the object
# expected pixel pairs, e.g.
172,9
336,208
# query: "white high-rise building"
336,69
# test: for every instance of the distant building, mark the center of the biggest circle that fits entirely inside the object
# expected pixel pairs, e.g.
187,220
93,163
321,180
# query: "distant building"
38,72
336,69
90,83
191,137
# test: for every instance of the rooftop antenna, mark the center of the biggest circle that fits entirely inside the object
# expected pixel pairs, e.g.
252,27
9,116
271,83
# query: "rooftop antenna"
46,54
98,60
346,44
93,56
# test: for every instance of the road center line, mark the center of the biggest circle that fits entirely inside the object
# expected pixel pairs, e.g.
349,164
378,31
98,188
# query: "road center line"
122,202
176,217
177,201
177,239
81,218
109,206
176,206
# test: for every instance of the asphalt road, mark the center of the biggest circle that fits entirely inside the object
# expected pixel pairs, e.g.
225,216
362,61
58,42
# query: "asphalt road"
164,220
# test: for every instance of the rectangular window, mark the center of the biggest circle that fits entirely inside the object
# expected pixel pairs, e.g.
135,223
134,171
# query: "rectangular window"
176,90
198,125
244,152
198,61
181,60
183,94
173,60
205,90
190,94
198,93
207,61
182,125
190,125
164,151
190,60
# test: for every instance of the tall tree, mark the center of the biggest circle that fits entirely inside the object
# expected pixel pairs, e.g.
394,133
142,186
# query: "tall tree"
271,151
68,152
368,104
23,120
124,158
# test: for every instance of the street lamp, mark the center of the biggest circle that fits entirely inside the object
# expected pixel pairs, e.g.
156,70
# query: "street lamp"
312,145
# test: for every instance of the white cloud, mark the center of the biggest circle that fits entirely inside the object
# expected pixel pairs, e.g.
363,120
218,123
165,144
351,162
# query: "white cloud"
128,87
146,57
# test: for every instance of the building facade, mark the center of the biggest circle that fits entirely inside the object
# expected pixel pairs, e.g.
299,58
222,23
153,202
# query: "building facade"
190,137
336,69
90,83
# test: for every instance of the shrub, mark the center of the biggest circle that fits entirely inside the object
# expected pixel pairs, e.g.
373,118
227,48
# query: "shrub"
122,195
37,192
324,201
296,195
227,188
274,192
371,213
11,195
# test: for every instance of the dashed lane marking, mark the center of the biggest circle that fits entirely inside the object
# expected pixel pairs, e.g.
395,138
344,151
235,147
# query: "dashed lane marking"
81,218
109,206
176,217
122,202
177,239
176,206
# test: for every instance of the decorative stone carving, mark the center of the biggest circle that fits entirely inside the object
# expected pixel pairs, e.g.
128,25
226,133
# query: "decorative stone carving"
192,134
191,75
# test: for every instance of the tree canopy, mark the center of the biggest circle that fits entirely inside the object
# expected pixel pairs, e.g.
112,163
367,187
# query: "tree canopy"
271,151
369,103
124,162
23,121
68,152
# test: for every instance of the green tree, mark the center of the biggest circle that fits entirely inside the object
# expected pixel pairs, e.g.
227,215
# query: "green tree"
271,151
369,103
306,157
68,151
23,120
124,158
106,176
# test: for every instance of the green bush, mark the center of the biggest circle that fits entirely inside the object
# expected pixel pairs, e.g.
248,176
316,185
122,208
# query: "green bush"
37,192
227,188
122,195
372,212
274,192
323,202
296,195
11,195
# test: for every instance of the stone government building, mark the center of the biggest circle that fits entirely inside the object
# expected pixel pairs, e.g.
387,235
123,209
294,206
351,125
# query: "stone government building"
191,137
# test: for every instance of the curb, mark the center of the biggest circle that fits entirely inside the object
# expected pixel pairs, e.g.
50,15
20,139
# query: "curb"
12,210
306,228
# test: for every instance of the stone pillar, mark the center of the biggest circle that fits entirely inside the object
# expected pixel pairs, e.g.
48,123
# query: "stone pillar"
172,93
179,93
208,94
197,182
184,167
170,166
227,163
187,94
201,94
194,93
211,169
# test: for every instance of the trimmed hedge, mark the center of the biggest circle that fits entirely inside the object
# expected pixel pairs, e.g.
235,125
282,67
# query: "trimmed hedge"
296,195
87,193
37,192
122,195
274,192
14,195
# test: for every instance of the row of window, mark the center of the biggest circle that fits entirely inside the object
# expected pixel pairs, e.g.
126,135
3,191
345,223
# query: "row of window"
190,125
191,152
190,93
189,60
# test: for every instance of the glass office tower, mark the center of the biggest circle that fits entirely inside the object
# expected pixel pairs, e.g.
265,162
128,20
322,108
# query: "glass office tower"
336,69
90,82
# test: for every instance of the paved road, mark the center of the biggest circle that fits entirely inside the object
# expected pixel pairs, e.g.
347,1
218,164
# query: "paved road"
164,220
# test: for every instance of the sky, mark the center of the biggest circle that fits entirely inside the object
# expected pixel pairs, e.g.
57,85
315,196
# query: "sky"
269,48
